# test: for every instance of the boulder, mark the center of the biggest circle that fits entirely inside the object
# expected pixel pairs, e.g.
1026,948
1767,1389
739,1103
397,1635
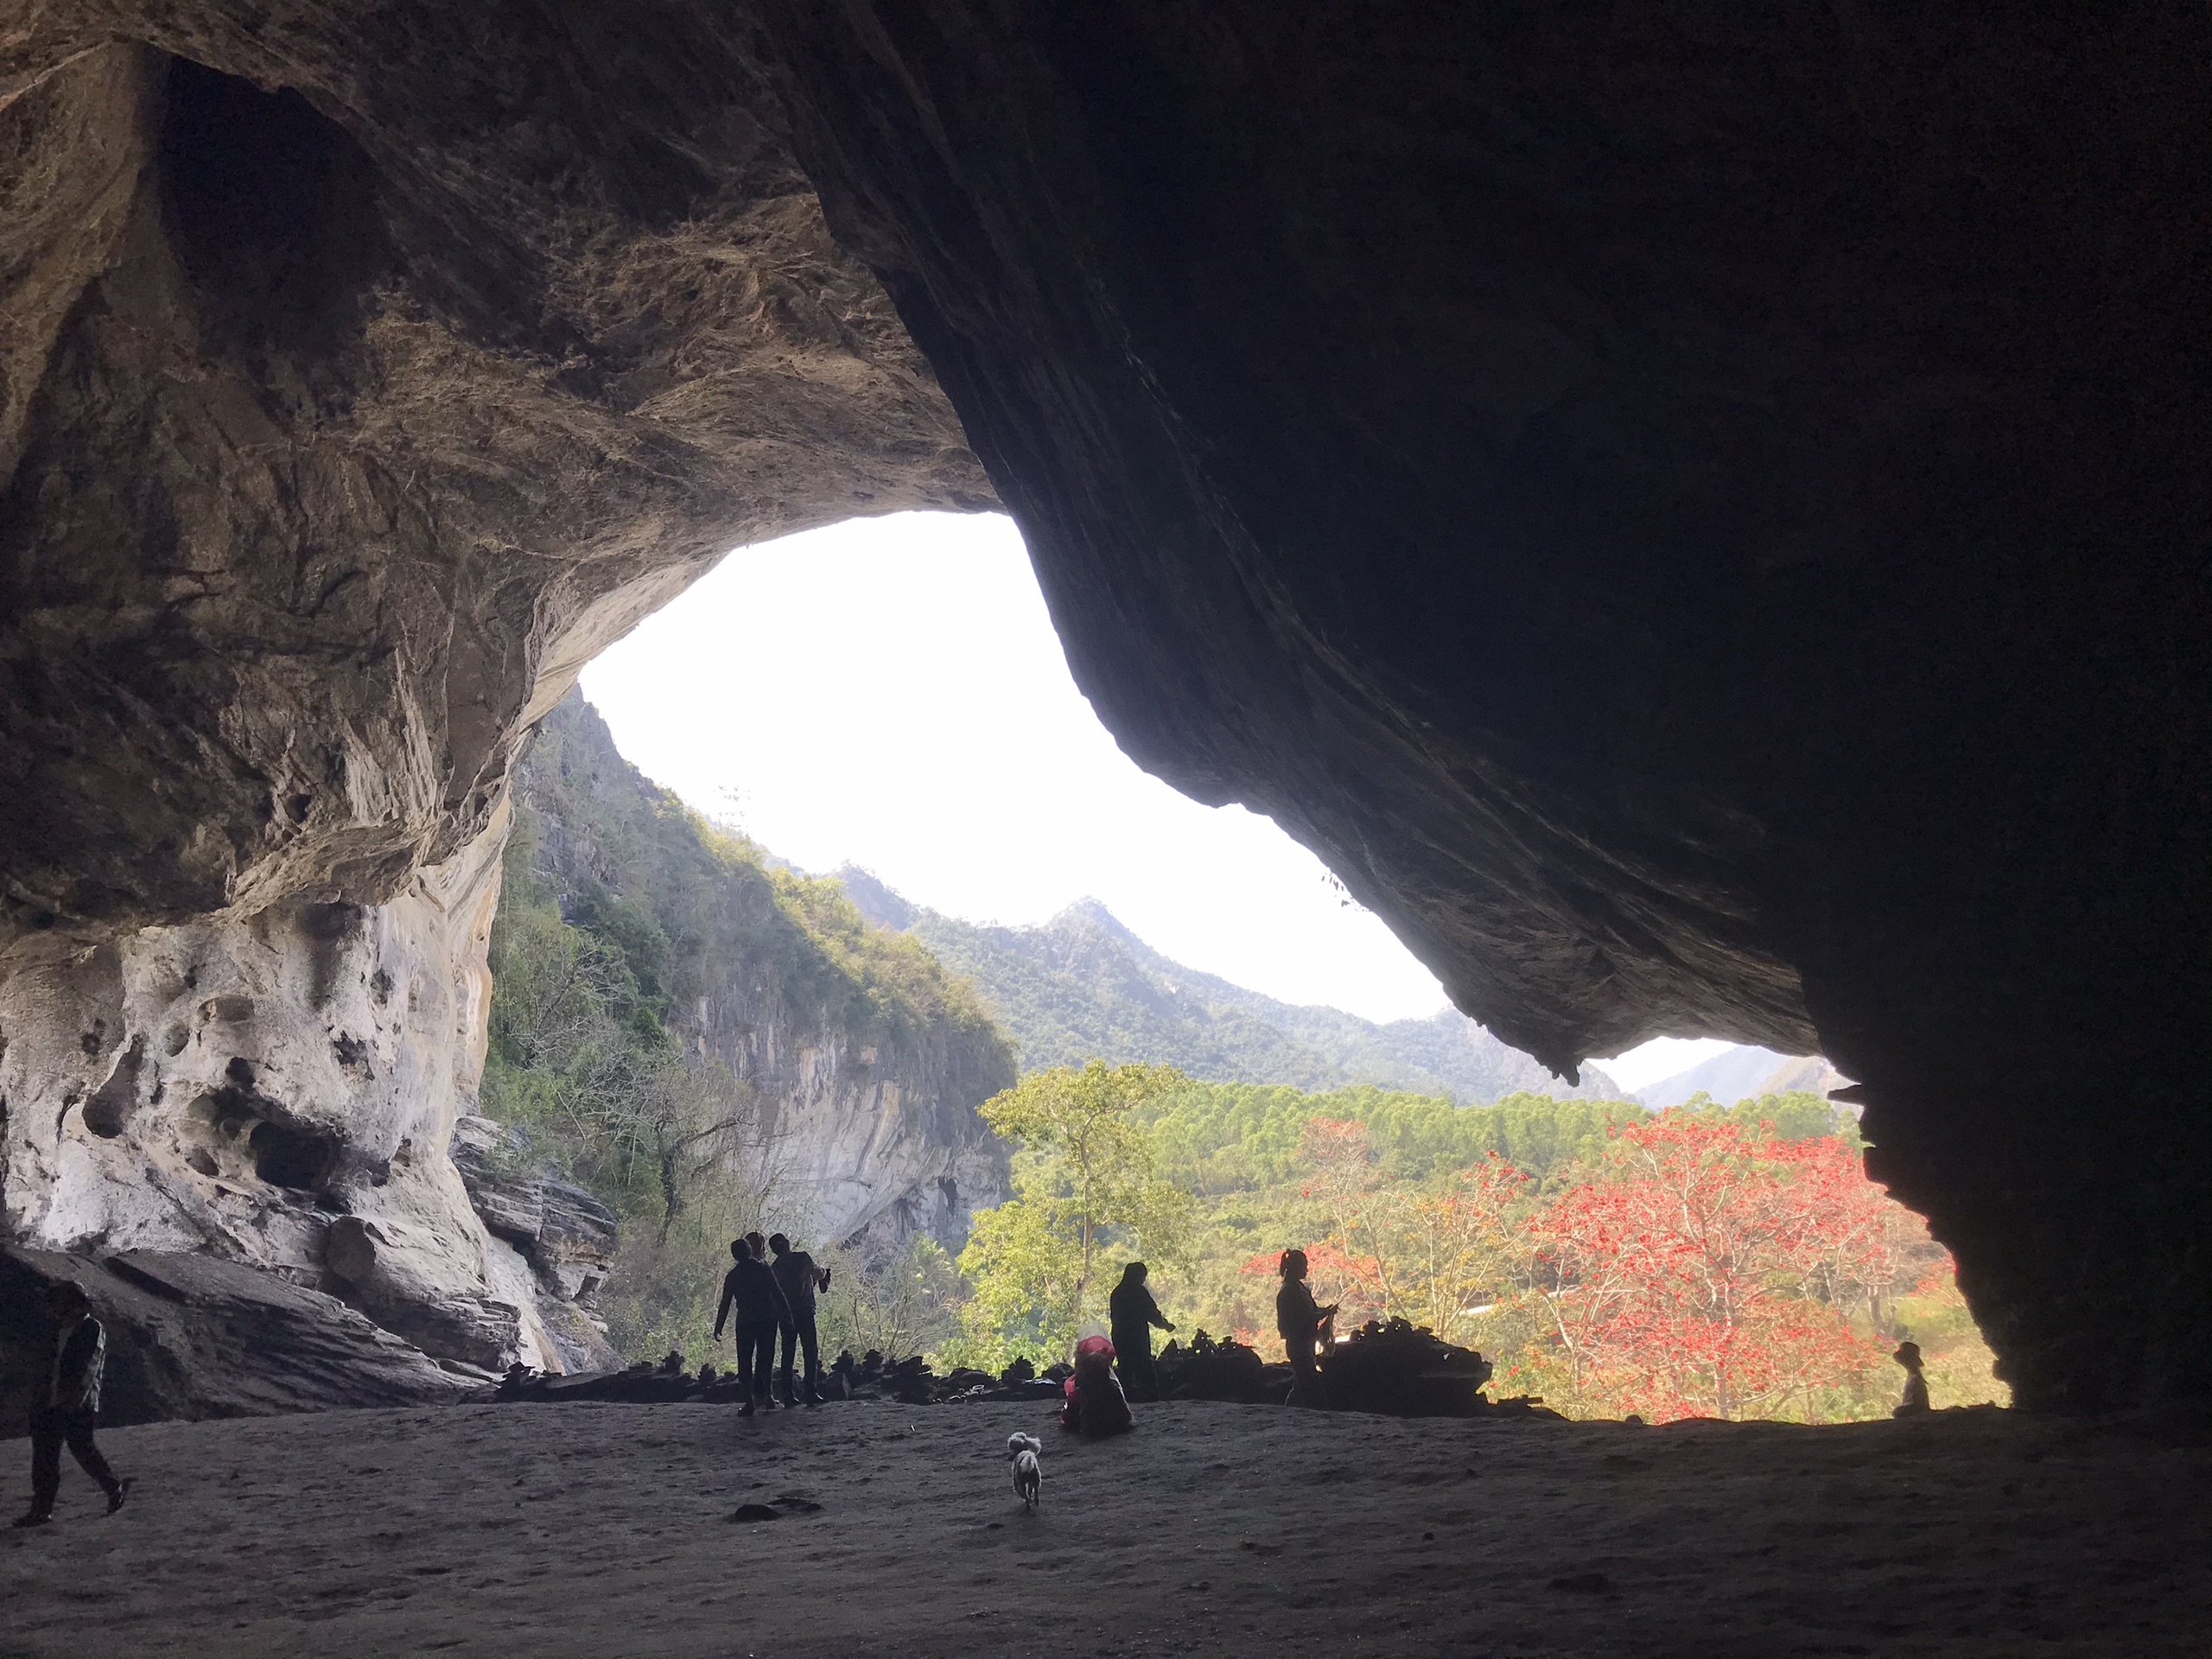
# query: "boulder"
401,1274
194,1336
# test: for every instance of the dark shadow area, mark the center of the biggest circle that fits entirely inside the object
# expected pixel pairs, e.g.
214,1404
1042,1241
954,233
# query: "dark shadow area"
285,1154
271,209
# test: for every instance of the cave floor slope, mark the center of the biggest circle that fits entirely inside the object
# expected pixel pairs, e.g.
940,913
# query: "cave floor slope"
605,1530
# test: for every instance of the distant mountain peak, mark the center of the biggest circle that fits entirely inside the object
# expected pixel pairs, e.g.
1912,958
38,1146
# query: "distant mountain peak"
1086,985
1087,912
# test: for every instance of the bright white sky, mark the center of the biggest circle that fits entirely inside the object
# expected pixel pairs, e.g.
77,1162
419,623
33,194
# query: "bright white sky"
889,692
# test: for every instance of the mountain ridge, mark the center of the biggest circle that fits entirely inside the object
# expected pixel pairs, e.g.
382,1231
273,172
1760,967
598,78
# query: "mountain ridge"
1086,985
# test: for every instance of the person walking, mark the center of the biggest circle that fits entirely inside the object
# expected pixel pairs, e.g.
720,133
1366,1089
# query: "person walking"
1131,1313
800,1278
751,1290
64,1409
1298,1322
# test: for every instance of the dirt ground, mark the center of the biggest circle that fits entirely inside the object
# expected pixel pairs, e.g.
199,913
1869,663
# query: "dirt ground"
606,1531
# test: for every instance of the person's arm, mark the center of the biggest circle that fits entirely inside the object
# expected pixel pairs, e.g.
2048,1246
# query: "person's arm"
783,1302
729,1294
1154,1315
822,1281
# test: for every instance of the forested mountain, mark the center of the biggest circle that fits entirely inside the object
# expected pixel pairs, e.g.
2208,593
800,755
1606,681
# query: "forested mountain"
1744,1070
1085,987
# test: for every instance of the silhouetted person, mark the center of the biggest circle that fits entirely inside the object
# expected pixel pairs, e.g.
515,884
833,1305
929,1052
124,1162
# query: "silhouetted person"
1300,1320
66,1405
1131,1313
1916,1385
752,1289
796,1272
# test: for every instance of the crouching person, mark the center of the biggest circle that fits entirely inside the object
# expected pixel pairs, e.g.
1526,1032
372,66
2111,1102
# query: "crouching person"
1095,1406
67,1411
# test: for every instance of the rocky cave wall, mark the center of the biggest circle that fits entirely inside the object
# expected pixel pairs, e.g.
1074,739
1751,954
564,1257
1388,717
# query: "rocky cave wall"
1698,518
351,398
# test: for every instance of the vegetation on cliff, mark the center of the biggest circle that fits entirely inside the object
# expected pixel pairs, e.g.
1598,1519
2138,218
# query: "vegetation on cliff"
1084,987
1711,1260
623,916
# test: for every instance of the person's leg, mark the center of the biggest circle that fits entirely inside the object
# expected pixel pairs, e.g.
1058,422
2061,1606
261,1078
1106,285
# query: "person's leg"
810,1341
789,1335
1147,1374
744,1363
764,1361
78,1430
45,1462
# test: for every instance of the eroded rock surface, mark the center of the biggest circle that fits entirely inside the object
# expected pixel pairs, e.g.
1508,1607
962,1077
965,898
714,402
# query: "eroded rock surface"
347,408
192,1335
1700,520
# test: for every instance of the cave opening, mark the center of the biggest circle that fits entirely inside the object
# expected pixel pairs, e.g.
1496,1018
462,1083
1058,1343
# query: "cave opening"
910,732
292,1155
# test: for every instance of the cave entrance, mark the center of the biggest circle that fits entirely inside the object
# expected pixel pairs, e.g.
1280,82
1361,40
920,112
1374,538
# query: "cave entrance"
907,728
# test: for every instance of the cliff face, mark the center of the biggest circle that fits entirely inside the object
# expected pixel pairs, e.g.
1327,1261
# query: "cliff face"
871,1058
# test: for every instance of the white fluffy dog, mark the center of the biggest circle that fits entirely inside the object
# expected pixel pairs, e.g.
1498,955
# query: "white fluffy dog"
1028,1473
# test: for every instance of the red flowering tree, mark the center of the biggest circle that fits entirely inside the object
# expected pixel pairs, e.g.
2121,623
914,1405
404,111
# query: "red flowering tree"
1422,1254
1709,1273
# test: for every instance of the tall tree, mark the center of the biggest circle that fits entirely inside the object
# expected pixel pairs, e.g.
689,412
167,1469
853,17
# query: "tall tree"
1699,1274
1084,1175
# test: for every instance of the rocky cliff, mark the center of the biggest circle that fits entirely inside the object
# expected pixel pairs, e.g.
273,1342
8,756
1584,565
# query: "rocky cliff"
870,1058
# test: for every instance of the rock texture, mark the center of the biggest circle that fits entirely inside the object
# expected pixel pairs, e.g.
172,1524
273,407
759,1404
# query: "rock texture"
196,1335
1699,518
262,1088
350,397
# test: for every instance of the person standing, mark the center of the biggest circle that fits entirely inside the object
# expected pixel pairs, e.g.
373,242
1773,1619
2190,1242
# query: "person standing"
800,1278
66,1412
751,1290
1298,1322
1131,1313
1915,1383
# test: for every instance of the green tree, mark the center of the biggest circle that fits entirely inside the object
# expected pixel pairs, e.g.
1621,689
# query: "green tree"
1085,1176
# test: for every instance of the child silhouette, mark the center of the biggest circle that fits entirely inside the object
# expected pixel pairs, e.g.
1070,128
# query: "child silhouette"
1916,1385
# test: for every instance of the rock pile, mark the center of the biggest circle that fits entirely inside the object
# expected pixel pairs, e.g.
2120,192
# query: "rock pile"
1224,1370
1396,1369
1402,1369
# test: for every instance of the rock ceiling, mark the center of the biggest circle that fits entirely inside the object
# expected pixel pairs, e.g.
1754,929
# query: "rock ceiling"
1699,522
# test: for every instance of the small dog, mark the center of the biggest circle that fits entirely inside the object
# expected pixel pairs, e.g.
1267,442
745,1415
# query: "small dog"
1028,1473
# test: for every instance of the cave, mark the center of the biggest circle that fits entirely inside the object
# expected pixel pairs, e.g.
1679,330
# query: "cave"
1699,520
291,1155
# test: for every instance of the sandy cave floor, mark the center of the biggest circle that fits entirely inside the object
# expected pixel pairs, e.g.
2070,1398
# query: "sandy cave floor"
604,1530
